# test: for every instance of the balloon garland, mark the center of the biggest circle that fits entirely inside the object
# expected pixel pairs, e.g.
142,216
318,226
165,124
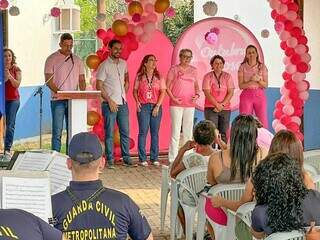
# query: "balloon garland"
294,92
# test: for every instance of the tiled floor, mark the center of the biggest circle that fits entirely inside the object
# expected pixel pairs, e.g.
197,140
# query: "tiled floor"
143,185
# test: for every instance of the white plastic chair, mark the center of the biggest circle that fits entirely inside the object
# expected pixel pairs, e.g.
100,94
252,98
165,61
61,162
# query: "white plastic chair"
188,183
229,192
316,181
310,169
244,212
165,189
312,158
293,235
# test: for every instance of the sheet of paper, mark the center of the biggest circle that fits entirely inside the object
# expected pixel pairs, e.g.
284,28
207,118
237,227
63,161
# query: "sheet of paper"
31,194
60,175
36,161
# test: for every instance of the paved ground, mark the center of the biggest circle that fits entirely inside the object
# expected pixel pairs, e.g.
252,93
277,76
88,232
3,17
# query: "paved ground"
143,185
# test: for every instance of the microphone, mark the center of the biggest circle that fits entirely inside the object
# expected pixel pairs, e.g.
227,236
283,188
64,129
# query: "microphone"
71,56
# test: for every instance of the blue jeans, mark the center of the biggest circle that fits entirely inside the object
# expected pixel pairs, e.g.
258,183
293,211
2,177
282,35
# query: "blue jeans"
59,111
122,118
12,107
146,120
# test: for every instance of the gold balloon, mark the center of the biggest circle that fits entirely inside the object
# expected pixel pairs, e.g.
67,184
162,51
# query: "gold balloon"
92,118
135,7
93,61
120,28
161,6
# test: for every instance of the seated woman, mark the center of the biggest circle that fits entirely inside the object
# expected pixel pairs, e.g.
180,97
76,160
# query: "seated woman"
284,141
204,135
283,201
235,164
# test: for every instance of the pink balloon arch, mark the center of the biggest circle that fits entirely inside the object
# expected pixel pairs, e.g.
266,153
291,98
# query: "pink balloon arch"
294,92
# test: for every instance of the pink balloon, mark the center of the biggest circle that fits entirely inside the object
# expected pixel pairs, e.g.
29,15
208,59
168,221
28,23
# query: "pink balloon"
302,86
137,30
284,35
136,17
284,91
149,8
305,57
274,4
291,68
102,33
298,23
130,27
278,26
275,122
149,27
291,15
288,109
279,127
300,49
302,67
117,16
297,77
292,42
286,60
296,120
282,9
304,95
285,100
145,38
152,17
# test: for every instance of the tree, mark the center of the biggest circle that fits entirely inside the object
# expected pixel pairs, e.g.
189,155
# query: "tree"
174,27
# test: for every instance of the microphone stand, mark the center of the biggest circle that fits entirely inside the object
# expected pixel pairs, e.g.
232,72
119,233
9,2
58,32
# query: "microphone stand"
39,92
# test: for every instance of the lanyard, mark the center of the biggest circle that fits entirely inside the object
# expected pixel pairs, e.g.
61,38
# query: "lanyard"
218,78
149,81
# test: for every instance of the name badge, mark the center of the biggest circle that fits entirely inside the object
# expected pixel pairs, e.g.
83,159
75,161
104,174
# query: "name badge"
149,95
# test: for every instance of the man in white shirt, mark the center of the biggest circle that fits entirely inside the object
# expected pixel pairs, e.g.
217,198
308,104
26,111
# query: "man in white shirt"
113,82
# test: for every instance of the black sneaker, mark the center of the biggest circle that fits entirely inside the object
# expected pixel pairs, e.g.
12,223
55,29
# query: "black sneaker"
130,164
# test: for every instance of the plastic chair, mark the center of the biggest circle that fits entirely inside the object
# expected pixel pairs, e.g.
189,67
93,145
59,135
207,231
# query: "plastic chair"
312,158
244,212
312,170
316,181
165,189
229,192
293,235
188,183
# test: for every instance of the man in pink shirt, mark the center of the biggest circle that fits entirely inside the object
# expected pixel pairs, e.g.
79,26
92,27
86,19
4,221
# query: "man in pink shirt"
63,71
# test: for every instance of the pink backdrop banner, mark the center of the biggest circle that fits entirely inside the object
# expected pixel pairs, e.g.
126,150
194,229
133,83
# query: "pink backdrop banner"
162,48
231,42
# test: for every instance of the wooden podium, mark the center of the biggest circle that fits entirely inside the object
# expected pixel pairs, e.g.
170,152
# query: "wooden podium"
77,109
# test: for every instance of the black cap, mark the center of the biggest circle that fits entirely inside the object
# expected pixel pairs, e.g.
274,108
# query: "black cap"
84,148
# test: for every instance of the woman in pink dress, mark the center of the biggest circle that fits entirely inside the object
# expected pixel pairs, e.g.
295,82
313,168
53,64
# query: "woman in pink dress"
149,91
253,79
183,90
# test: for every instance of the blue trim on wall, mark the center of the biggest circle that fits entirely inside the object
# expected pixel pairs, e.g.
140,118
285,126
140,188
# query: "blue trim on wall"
27,124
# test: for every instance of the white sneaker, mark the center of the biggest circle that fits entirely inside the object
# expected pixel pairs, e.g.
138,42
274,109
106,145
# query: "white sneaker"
7,156
156,163
143,164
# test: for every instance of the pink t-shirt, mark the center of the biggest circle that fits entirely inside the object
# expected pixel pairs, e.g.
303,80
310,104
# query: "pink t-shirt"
248,71
219,86
66,77
149,92
182,81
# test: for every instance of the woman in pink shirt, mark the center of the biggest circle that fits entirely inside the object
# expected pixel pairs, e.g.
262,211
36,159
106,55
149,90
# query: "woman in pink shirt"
183,90
253,79
149,91
218,88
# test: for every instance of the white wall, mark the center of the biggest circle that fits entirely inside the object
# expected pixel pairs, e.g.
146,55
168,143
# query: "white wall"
311,26
31,39
255,15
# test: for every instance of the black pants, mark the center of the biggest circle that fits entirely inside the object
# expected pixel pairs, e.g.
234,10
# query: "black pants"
220,119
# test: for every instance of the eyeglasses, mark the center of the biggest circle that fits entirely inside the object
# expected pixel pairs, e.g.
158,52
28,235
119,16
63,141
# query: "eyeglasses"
186,56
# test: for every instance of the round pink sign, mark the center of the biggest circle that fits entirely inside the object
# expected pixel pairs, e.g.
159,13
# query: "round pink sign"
230,42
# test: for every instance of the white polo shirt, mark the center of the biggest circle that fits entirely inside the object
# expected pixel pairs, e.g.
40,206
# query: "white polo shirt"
112,74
